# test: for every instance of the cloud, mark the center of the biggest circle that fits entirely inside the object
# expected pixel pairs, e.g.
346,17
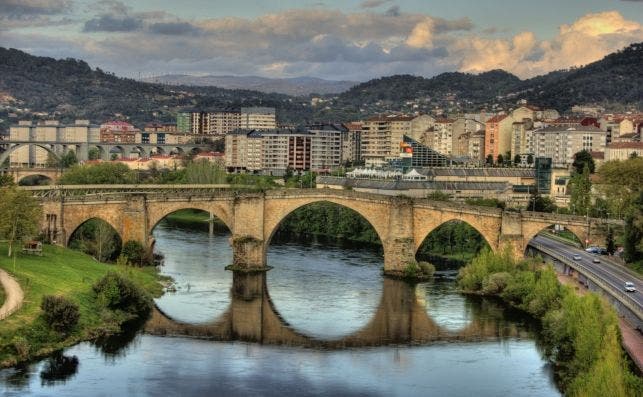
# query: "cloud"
110,23
586,40
373,3
393,11
16,8
174,28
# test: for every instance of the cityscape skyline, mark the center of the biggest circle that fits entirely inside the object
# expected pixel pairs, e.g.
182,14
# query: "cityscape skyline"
356,40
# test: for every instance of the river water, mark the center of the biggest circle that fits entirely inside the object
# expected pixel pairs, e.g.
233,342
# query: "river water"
323,321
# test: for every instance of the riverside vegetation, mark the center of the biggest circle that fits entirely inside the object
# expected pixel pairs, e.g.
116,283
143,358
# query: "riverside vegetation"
581,333
69,297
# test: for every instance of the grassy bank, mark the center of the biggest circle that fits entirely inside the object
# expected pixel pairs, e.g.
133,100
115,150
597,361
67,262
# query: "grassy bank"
581,333
24,335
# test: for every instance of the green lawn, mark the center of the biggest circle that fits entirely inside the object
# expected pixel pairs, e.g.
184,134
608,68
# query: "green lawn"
62,271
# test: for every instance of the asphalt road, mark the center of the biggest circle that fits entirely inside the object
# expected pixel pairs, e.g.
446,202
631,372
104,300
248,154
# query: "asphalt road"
610,273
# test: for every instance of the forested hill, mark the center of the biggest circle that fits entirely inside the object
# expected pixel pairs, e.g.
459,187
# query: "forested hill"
72,89
617,78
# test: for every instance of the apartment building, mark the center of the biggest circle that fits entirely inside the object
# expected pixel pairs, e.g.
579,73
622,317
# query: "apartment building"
462,129
522,137
381,136
273,151
476,146
623,150
561,143
351,141
498,135
118,132
258,118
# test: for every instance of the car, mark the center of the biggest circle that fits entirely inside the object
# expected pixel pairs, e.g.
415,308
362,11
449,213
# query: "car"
629,287
591,250
577,257
596,260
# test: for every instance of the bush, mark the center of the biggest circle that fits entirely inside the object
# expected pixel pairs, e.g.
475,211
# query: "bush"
135,253
60,313
427,268
118,293
21,346
411,270
496,283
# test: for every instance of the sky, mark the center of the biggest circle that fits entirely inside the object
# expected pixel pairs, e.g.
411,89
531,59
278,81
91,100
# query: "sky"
332,39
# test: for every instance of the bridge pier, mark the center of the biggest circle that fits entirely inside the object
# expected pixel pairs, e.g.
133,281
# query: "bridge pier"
248,241
399,245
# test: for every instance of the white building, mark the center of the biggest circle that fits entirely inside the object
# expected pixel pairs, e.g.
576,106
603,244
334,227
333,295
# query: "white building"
560,143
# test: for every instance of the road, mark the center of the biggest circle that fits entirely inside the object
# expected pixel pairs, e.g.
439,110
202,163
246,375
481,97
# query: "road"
611,273
13,295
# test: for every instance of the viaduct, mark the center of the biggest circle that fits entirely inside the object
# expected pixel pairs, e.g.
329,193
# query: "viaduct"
402,223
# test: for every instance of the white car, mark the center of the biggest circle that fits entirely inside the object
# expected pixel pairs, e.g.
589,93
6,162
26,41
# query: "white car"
596,260
629,287
577,257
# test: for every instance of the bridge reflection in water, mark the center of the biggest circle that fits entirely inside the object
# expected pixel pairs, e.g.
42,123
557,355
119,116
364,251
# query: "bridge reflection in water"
400,318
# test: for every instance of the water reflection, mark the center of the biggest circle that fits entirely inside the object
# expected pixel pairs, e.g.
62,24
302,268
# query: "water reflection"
400,317
58,369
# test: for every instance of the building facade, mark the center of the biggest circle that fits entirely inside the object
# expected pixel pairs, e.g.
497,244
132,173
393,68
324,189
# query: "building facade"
561,143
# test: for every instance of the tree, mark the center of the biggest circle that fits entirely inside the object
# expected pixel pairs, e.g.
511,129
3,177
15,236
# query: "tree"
6,180
60,313
619,182
102,173
609,241
135,253
581,159
68,159
500,159
21,214
530,159
93,154
581,187
489,160
541,204
517,159
633,233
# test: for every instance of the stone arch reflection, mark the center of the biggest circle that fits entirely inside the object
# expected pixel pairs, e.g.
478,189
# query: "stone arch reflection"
194,245
400,318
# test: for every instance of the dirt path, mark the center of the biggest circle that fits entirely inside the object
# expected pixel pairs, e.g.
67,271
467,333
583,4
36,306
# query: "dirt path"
13,293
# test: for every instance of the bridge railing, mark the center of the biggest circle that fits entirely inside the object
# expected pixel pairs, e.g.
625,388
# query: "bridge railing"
622,297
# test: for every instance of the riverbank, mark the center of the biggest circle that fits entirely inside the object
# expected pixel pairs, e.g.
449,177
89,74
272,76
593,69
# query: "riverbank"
60,271
582,338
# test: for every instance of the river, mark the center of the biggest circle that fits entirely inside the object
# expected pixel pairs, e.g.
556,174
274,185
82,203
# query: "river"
323,321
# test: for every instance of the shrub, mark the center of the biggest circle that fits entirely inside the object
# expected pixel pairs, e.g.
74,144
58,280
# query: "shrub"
427,268
135,253
496,283
21,346
118,293
411,270
60,313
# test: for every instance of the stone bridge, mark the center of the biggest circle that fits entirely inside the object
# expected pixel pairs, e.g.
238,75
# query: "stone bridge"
19,174
401,317
401,223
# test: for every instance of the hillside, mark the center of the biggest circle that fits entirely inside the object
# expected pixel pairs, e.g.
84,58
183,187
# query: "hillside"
616,79
297,86
70,88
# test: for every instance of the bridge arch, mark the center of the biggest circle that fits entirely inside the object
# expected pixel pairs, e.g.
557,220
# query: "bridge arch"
157,211
73,223
99,242
426,220
532,230
276,211
5,155
35,179
461,235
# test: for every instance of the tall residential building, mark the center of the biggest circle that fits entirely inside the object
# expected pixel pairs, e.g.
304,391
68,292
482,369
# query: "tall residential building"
561,143
462,130
224,121
351,140
522,137
258,118
498,135
381,136
184,122
274,151
476,146
118,132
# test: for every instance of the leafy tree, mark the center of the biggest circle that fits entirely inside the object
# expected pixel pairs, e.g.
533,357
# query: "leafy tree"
581,159
6,180
204,171
115,292
93,154
68,159
517,159
530,159
581,187
609,241
633,234
21,214
486,202
500,159
438,195
135,253
489,160
102,173
539,203
60,313
619,182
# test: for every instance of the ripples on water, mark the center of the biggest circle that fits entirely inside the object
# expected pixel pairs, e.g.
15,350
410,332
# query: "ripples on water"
322,291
